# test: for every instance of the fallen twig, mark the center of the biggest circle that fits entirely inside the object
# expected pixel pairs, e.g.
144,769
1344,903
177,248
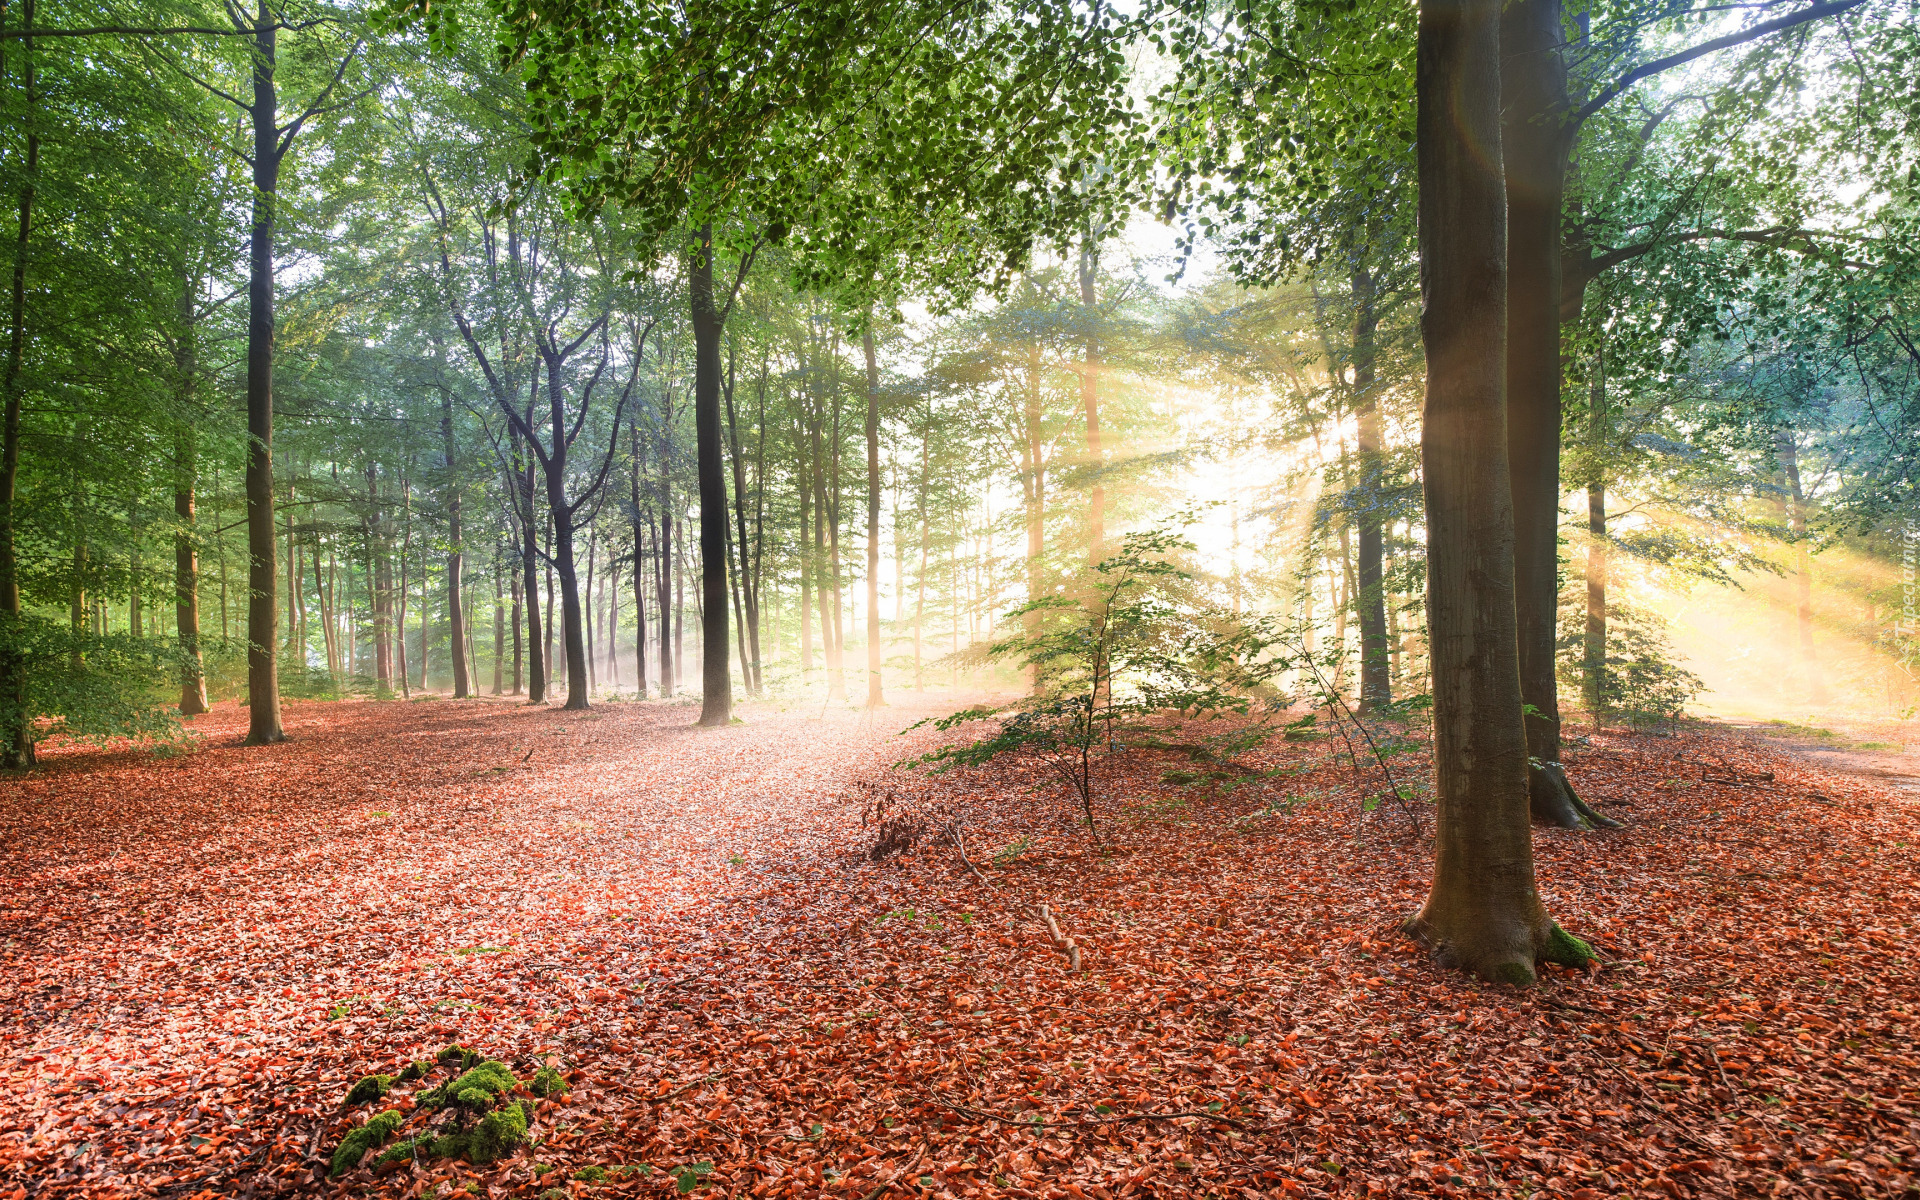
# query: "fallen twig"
876,1193
1061,941
960,848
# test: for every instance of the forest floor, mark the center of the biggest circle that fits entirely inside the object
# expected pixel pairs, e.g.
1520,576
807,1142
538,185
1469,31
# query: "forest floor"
200,954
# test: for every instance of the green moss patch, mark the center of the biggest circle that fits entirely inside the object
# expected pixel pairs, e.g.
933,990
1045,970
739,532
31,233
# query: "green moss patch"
494,1136
372,1088
355,1145
476,1089
413,1071
547,1082
591,1174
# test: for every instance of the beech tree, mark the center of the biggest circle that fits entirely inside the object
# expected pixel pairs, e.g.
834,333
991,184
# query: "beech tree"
637,105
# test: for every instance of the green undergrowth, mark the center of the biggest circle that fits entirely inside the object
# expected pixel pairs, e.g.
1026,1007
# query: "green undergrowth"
472,1114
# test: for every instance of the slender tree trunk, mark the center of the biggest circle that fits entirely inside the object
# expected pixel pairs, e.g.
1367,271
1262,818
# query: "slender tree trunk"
1376,677
400,605
1090,401
456,554
263,610
1535,139
1484,913
1594,673
874,697
592,614
640,524
186,579
518,584
805,482
749,601
716,681
1802,565
499,629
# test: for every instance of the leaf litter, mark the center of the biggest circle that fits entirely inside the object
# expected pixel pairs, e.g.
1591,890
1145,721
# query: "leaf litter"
200,958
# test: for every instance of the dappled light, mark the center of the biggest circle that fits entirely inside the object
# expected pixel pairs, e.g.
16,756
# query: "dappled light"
853,601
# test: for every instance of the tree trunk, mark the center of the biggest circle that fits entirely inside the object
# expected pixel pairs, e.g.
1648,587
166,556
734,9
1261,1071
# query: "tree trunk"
807,564
186,581
1594,667
1484,913
1802,565
1376,677
874,697
1534,136
748,603
592,611
263,610
640,524
716,680
456,553
1090,401
499,628
16,724
400,605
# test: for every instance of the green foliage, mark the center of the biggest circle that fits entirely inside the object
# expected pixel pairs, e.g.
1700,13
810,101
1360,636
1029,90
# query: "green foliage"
547,1082
93,688
1128,644
1640,681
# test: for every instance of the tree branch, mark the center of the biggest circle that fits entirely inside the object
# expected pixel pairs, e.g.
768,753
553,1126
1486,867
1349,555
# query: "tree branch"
1814,12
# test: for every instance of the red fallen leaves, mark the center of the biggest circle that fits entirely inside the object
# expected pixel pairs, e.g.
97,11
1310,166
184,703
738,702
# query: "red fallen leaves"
201,955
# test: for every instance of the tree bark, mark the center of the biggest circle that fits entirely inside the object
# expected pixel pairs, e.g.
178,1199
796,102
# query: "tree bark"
263,610
874,697
499,628
456,551
749,600
16,725
1535,139
1376,678
1484,913
716,679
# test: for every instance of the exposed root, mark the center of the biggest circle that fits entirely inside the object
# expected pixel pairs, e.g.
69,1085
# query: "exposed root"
1552,800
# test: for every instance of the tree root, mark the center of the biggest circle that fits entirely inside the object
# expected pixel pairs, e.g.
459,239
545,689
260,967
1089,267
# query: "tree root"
1552,800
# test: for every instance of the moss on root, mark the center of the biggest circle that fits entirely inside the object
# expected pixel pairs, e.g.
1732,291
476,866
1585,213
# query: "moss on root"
372,1088
494,1136
413,1071
355,1145
417,1147
1564,949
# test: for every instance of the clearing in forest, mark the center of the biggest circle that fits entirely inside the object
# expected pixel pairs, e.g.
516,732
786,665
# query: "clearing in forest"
200,956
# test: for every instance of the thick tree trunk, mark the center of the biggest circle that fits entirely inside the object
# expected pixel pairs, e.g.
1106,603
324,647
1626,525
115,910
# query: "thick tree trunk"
1376,677
874,697
1484,913
16,723
263,610
1535,139
572,634
716,679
